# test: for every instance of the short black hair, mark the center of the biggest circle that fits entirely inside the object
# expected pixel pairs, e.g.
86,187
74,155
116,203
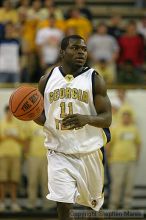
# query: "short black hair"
65,41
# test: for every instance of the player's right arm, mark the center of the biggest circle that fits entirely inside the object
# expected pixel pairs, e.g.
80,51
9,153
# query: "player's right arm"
41,87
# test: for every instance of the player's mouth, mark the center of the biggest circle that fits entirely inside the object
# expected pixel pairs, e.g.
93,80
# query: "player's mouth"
80,59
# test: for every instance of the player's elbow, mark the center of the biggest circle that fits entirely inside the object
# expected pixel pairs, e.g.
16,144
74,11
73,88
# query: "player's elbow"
107,121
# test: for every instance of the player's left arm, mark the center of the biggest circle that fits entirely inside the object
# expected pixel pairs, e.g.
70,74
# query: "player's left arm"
102,105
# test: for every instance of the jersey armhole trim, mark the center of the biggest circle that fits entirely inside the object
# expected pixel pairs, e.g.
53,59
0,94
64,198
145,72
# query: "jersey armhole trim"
93,83
107,133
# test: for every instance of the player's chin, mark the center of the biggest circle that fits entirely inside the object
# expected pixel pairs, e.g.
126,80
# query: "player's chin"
79,63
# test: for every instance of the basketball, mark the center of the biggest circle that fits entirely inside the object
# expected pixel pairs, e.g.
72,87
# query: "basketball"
26,103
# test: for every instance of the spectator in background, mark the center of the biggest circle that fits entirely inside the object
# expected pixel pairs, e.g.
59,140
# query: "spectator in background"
24,5
26,29
48,40
10,53
124,152
128,74
10,159
106,71
49,9
125,105
80,24
102,46
2,31
37,166
115,27
34,10
14,2
131,46
8,13
141,27
115,103
140,3
84,10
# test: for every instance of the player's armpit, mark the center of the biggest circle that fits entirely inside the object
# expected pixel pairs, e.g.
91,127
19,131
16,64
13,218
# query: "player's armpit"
43,81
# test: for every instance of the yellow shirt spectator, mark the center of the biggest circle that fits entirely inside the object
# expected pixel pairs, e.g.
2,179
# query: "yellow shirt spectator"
26,29
125,140
126,107
81,25
58,24
36,135
106,71
8,15
10,135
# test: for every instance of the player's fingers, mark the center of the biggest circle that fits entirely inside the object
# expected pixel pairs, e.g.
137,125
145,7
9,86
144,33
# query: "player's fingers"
70,116
68,121
73,126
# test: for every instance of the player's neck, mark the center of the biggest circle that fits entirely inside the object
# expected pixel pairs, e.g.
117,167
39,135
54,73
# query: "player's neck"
71,70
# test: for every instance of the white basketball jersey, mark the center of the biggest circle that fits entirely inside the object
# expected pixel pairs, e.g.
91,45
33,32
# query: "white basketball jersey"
65,95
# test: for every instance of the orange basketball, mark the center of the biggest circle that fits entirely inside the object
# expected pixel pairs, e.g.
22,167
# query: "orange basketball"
26,103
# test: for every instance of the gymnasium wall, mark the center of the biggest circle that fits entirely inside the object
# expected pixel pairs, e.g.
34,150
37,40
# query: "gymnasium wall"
137,98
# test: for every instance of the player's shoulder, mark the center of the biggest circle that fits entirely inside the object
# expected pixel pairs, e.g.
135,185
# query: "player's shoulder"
43,80
97,77
98,82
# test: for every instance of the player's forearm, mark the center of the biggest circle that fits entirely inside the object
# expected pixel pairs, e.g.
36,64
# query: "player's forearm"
41,119
103,120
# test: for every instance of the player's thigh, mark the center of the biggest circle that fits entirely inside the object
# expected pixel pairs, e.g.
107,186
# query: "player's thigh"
62,185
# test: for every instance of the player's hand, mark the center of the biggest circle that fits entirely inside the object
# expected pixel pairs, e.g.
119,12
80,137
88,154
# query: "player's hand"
75,121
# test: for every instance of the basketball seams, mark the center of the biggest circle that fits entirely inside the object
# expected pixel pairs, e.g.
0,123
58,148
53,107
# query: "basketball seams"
30,119
31,109
21,100
26,103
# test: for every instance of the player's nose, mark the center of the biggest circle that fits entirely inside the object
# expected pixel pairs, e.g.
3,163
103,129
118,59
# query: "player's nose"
81,50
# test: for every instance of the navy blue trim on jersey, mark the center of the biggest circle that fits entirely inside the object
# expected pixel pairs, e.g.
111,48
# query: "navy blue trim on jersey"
93,83
107,133
49,75
103,162
77,74
103,152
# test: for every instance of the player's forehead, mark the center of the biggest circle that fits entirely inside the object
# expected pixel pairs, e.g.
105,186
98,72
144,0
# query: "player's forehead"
76,42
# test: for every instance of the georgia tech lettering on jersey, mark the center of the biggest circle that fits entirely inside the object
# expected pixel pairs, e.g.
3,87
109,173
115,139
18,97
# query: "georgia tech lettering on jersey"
64,97
68,93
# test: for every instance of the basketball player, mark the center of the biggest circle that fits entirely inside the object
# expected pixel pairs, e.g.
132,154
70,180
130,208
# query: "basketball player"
76,111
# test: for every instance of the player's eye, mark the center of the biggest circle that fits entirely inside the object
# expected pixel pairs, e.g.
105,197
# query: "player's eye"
84,49
74,48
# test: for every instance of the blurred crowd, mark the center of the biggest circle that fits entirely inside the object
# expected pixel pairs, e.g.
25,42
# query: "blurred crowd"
123,152
23,162
31,32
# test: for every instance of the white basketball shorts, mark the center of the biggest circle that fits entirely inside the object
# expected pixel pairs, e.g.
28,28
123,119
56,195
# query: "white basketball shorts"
76,178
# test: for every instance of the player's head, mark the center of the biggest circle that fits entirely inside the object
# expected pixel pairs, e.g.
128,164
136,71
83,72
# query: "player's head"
73,51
